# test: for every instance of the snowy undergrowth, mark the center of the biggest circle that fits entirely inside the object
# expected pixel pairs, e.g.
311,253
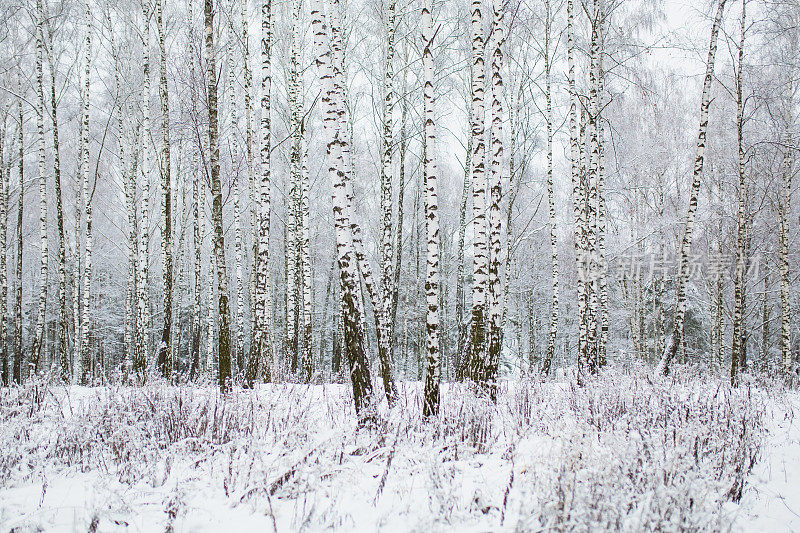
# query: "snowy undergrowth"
622,453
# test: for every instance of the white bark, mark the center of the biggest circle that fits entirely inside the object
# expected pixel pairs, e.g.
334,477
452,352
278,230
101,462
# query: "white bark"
683,270
477,355
433,367
38,342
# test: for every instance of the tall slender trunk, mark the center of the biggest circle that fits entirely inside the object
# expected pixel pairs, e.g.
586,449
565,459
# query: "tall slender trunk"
237,225
129,190
739,280
496,193
784,211
210,316
164,350
350,289
385,344
142,323
224,341
477,365
4,172
197,201
551,339
765,332
39,336
261,345
305,260
593,195
249,164
430,407
683,270
63,351
293,203
401,189
86,356
17,366
577,189
460,363
602,209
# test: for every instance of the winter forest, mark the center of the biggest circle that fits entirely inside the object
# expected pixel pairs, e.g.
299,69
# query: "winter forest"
399,265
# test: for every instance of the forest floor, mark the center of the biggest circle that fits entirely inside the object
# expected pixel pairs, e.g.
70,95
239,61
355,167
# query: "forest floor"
772,503
624,453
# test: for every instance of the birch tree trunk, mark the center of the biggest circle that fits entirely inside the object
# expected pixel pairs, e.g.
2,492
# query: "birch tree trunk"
261,347
293,204
129,190
16,372
477,365
345,126
602,209
401,187
739,279
305,260
430,407
85,355
593,203
38,341
248,119
683,270
224,341
551,339
210,316
461,348
385,344
4,172
63,351
784,211
578,199
496,193
165,348
197,201
237,225
142,331
350,289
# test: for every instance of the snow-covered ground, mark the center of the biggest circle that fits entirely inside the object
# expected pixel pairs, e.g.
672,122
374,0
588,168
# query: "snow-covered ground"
624,453
772,502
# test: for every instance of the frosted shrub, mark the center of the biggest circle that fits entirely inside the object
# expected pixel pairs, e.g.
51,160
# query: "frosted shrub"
624,452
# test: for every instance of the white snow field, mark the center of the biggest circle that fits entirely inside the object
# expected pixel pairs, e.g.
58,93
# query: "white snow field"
624,453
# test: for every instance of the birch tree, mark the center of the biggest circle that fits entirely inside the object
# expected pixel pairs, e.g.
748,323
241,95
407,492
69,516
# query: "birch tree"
433,369
84,352
496,194
551,339
385,344
336,142
305,259
480,237
237,226
63,353
784,207
4,171
142,330
683,269
293,203
39,337
261,346
164,349
224,350
739,280
16,373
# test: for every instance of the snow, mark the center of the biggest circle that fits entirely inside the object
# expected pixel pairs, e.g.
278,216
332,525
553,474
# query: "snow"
623,453
773,502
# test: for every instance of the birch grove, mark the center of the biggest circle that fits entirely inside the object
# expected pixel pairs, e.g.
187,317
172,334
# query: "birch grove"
410,195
